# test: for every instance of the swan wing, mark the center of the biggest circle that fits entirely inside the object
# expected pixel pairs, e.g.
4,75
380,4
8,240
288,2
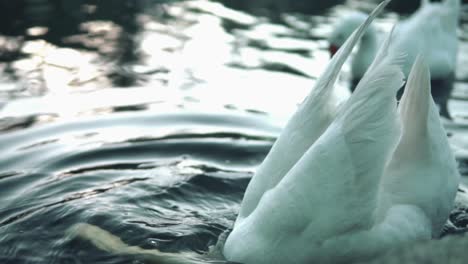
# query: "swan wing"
330,192
422,170
342,169
312,117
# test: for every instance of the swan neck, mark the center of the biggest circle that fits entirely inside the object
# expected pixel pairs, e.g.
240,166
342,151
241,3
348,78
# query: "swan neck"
369,40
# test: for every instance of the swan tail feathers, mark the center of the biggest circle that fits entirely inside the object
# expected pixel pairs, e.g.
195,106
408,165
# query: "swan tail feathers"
416,100
420,116
418,111
110,243
423,154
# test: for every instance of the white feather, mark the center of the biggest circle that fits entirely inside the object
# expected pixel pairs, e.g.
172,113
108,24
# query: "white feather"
423,170
305,126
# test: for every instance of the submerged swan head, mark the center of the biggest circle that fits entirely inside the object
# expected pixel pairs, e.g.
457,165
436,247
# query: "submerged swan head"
347,183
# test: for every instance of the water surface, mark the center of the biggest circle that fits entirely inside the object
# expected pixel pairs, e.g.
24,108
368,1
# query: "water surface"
151,124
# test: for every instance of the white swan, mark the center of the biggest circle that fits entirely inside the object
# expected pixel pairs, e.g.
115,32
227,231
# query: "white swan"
356,185
430,31
342,183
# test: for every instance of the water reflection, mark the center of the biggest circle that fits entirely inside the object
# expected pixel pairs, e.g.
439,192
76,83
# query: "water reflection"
95,44
275,8
201,50
100,30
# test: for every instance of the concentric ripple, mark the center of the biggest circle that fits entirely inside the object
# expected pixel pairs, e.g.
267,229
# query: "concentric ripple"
175,180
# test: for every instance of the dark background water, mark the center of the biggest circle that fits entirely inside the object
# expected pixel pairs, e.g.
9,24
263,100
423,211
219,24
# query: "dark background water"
148,118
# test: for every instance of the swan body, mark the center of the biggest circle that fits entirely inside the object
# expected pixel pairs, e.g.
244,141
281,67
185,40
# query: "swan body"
430,31
346,183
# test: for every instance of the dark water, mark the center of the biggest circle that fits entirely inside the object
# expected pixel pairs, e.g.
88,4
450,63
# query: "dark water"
148,119
169,181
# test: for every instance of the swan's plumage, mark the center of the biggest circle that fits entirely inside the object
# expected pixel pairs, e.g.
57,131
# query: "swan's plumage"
305,126
422,171
351,191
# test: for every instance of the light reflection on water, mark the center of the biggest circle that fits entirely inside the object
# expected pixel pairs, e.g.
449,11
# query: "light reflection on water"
153,131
